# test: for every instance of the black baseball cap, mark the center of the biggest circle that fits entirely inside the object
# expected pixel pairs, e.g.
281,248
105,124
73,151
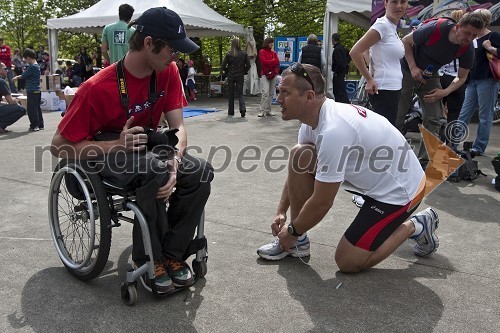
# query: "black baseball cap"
166,24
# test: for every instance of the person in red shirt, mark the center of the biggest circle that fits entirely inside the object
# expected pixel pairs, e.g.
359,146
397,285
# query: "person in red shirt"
150,89
269,63
6,58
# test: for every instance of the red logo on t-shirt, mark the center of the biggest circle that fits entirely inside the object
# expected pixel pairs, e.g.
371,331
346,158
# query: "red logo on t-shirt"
361,111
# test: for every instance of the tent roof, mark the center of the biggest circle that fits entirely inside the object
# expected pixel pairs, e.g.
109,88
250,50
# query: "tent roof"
356,12
198,18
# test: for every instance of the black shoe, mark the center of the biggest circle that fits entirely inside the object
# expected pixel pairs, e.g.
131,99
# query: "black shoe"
230,114
243,113
36,129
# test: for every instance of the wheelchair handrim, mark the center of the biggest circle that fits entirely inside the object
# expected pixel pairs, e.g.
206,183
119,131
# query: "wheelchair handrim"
56,233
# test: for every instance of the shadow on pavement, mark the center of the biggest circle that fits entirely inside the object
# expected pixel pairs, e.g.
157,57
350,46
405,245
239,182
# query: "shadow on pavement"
378,300
54,301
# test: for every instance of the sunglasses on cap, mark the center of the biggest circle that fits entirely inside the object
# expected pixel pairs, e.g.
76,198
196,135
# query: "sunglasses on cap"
299,70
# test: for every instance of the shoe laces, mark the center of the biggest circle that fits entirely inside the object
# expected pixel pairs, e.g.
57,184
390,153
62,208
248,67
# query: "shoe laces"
159,269
174,264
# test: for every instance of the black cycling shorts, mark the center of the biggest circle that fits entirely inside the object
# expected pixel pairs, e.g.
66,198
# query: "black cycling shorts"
375,222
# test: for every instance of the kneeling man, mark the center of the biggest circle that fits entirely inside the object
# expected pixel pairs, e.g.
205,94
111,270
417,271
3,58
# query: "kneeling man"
342,144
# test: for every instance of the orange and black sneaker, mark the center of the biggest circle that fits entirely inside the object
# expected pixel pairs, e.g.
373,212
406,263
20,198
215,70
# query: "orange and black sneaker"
179,272
162,282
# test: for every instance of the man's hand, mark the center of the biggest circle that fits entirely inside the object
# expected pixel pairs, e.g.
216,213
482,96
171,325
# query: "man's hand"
166,190
287,241
133,139
279,222
434,95
416,74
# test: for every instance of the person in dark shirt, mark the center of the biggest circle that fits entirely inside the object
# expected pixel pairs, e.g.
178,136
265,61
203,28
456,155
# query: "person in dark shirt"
312,53
33,93
339,69
11,111
183,71
236,64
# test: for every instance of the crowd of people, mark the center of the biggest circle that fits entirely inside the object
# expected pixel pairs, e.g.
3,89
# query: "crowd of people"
155,92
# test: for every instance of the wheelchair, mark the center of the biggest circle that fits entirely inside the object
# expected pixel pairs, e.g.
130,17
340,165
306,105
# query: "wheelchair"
83,209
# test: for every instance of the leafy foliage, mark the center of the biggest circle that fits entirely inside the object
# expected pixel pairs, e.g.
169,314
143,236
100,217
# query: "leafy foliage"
23,23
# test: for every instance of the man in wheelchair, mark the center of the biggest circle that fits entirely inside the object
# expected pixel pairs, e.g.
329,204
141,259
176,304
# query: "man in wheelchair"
108,122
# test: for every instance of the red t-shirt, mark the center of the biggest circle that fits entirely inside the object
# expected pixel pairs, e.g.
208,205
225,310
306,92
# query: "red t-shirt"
97,107
5,55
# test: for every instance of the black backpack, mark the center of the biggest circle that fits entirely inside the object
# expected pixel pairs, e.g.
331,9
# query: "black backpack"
469,170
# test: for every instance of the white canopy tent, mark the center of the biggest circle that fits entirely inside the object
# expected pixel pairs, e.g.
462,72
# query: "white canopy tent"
356,12
198,18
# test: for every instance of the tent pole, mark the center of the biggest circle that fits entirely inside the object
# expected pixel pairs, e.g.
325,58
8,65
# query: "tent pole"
53,49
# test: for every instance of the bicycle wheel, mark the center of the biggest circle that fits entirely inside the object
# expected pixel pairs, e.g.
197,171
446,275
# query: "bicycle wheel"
496,115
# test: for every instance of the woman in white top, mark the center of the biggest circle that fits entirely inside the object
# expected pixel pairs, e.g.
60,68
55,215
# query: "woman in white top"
383,49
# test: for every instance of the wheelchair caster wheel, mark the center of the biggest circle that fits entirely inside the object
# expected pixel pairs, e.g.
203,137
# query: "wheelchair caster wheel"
199,268
129,293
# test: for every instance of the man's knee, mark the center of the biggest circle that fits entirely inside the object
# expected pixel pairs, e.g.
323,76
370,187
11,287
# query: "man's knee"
303,158
349,258
21,111
198,170
347,266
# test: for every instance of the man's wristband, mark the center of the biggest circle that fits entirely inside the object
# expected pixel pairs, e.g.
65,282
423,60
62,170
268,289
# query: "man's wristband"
178,159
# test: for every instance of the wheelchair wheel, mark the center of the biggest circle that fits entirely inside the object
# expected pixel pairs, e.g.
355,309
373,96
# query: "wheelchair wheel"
80,219
129,293
199,268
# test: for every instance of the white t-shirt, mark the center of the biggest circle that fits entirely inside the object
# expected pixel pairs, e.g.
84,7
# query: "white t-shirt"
191,74
363,150
385,55
450,69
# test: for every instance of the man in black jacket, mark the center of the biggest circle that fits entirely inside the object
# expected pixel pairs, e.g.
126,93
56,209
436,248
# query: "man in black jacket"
313,54
340,65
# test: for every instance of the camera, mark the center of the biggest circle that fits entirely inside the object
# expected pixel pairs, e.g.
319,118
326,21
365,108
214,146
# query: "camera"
159,138
162,143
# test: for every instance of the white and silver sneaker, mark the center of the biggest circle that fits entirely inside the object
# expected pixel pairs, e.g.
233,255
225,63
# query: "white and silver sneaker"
427,241
273,251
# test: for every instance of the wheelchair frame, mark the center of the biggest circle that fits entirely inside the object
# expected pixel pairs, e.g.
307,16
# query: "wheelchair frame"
83,208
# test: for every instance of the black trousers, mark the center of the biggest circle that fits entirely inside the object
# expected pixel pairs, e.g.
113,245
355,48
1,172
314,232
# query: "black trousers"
339,91
171,231
385,103
34,111
453,103
235,85
10,113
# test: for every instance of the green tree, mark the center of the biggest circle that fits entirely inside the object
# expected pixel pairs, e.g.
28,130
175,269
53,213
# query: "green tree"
23,23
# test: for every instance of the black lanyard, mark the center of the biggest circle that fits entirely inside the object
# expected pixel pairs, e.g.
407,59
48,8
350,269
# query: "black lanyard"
122,90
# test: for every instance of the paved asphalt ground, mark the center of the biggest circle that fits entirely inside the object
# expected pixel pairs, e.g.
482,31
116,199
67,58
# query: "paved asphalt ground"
457,290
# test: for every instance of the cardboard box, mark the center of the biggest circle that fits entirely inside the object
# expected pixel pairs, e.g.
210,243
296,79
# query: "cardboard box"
216,88
69,97
50,82
23,100
50,102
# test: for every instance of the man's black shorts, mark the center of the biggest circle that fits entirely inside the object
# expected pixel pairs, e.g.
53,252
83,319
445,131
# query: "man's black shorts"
375,222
